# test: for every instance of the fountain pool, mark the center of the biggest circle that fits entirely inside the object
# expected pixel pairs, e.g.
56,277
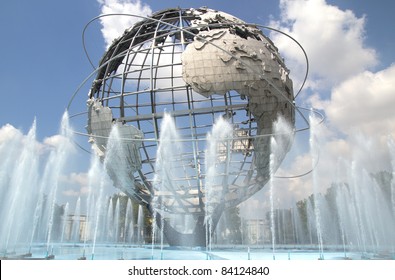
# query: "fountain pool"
62,251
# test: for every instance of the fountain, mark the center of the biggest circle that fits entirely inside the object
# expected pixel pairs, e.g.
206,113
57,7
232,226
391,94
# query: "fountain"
217,172
129,223
360,224
391,146
29,200
75,225
19,169
315,135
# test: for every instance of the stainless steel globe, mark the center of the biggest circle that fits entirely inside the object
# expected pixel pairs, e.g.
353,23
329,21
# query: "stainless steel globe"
197,66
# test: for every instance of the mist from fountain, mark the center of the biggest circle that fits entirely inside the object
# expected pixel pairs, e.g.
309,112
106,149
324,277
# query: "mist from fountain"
109,223
19,177
97,177
364,212
279,145
221,231
64,222
56,163
391,148
271,197
117,222
75,227
140,225
217,165
358,215
165,180
315,137
129,222
28,199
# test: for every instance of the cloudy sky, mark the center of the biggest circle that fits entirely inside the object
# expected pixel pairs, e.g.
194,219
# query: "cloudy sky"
350,45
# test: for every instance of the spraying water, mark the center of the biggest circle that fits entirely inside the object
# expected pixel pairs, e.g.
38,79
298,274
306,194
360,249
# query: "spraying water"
391,146
113,155
76,223
217,164
17,188
364,209
165,179
140,225
57,160
95,177
98,218
117,229
66,214
129,222
314,150
279,145
271,192
109,222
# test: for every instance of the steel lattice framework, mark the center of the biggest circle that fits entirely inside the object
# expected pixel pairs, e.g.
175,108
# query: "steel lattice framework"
196,65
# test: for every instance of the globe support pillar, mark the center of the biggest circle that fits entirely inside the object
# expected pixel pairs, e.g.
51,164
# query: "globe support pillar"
198,238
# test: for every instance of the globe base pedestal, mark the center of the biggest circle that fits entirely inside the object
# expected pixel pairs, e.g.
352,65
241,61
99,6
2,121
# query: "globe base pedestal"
198,238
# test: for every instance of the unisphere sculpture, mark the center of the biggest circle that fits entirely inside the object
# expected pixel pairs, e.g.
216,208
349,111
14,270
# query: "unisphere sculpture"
171,84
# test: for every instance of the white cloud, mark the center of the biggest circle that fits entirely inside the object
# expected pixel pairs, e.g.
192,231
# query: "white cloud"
13,137
71,193
55,140
364,103
76,184
79,178
360,109
332,38
114,26
335,158
9,132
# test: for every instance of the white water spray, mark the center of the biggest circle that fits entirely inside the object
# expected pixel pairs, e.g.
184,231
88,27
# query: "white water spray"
314,150
113,161
271,192
140,225
75,235
57,161
391,147
217,160
18,189
279,145
167,171
129,222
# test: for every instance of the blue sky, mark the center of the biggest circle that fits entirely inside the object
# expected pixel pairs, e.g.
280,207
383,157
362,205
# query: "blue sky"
350,44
